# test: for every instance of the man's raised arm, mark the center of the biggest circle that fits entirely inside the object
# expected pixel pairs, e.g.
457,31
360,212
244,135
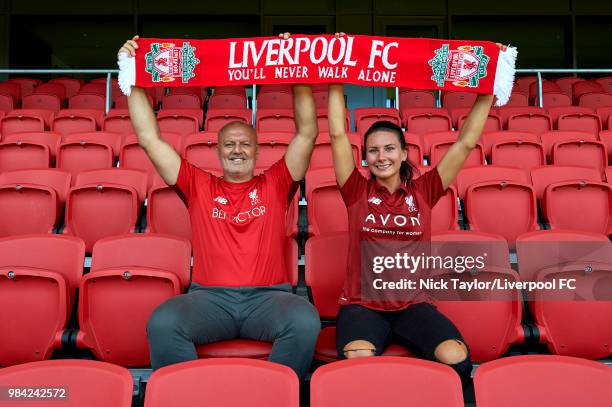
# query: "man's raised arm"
162,155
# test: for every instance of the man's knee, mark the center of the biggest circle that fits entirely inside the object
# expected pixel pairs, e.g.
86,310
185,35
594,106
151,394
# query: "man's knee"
304,321
451,352
359,349
163,320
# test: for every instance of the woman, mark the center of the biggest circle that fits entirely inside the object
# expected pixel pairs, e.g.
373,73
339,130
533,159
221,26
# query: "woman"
366,327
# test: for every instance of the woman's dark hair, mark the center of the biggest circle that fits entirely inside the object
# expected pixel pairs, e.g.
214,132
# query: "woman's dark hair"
407,169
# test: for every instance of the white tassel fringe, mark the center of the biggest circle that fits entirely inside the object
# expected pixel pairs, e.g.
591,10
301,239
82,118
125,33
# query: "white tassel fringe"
504,75
127,73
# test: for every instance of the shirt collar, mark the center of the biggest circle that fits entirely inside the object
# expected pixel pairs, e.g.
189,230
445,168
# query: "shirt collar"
383,190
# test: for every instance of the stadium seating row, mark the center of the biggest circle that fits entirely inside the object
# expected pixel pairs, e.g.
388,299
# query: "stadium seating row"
390,381
131,274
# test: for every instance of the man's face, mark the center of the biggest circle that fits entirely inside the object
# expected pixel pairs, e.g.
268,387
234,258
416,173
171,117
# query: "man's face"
238,150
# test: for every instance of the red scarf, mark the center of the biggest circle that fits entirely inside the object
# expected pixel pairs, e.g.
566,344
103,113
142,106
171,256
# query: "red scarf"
417,63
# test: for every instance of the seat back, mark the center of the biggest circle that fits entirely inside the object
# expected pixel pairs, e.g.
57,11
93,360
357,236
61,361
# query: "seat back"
20,155
521,154
83,382
260,383
542,380
430,384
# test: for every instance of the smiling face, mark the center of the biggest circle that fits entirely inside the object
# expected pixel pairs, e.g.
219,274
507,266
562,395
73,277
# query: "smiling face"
237,149
384,154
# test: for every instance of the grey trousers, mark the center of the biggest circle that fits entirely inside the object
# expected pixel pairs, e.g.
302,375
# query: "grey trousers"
211,314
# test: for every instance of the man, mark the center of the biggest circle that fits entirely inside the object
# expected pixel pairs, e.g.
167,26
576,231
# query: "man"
239,283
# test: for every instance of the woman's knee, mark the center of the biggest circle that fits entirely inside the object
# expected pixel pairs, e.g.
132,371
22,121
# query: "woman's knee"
451,352
358,349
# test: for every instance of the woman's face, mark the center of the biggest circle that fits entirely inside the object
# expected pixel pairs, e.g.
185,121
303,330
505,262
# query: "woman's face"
384,154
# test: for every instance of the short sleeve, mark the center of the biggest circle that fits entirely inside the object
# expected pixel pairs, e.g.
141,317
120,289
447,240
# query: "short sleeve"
429,185
354,188
279,177
186,179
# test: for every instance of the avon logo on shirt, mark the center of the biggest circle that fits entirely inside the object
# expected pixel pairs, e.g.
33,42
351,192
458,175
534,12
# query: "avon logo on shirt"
397,220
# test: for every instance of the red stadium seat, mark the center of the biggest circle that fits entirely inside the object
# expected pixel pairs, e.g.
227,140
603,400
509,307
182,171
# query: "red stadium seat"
326,209
37,297
42,101
32,200
547,87
50,139
543,176
12,123
416,98
494,137
227,101
550,138
579,122
319,93
543,380
166,212
536,123
85,383
114,140
69,123
492,323
133,156
274,99
181,102
20,155
604,114
96,88
555,99
104,203
506,111
606,137
429,139
438,150
200,92
453,100
120,101
445,214
521,154
470,176
181,121
6,103
606,82
214,382
271,148
584,87
561,319
406,112
486,200
78,155
217,118
566,84
524,82
87,101
322,155
278,120
326,265
582,153
27,85
595,100
130,276
71,85
493,123
430,384
45,115
51,89
200,149
366,116
428,123
563,200
555,111
118,121
11,89
517,99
